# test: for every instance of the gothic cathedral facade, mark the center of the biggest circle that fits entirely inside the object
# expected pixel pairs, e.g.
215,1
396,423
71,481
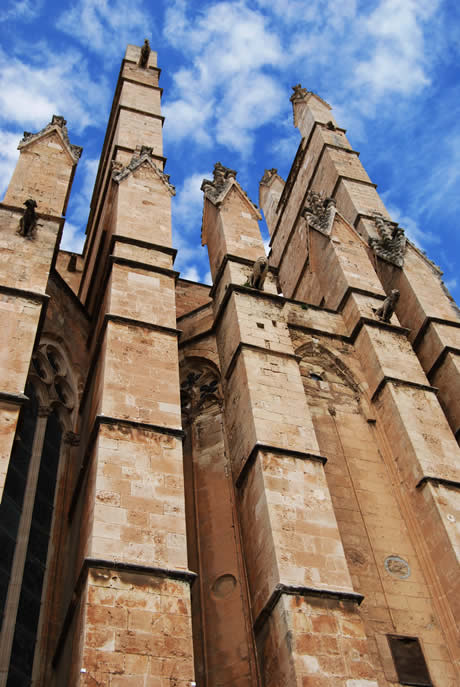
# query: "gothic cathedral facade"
254,484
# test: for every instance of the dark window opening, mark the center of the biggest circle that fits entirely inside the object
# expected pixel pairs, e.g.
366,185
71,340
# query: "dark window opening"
409,661
25,634
13,495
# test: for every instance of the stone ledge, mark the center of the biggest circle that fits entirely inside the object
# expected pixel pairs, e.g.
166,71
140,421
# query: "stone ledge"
401,382
119,238
344,177
13,399
259,349
379,324
437,480
136,264
428,320
97,563
294,590
100,337
280,450
229,257
362,292
107,420
153,115
441,358
24,293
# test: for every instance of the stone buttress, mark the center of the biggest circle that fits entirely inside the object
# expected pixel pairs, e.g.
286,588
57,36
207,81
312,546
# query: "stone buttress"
129,614
335,246
298,576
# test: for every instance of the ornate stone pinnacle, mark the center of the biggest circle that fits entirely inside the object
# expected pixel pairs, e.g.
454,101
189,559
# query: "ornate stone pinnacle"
319,211
268,175
299,93
221,177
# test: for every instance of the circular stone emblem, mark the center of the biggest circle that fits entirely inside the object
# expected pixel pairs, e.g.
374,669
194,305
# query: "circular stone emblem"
224,586
398,567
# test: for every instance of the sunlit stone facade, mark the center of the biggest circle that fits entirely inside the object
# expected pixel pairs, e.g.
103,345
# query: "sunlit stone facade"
254,484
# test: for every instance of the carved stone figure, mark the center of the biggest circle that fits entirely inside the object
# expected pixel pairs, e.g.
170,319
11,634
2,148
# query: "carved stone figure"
387,308
319,211
259,272
145,54
28,222
391,246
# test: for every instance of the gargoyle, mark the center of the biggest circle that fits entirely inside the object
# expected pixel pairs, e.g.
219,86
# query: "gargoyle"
387,308
258,274
28,222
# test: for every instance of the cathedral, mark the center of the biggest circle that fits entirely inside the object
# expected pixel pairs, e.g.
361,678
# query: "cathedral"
249,484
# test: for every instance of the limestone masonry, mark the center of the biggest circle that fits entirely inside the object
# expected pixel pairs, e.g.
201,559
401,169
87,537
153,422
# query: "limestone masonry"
254,484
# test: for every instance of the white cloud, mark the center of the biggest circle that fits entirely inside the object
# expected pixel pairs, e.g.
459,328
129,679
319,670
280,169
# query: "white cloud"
225,94
8,156
397,60
73,238
187,206
106,26
30,94
191,273
23,10
452,283
420,237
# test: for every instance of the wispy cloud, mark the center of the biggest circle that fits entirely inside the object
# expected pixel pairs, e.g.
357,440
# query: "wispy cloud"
8,156
23,10
106,26
31,94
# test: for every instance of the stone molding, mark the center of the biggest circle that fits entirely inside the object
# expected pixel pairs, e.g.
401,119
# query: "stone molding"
142,155
58,124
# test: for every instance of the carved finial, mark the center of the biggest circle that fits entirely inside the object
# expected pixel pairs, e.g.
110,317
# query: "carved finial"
221,176
145,54
28,222
387,308
58,120
268,175
259,272
299,93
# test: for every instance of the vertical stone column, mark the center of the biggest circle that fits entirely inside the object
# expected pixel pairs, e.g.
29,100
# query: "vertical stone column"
31,218
131,609
300,589
423,447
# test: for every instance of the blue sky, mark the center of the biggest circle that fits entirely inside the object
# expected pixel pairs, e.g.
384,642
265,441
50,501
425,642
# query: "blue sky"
390,69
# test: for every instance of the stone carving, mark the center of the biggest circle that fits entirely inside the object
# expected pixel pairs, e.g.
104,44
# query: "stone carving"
299,93
391,246
319,212
56,121
221,177
199,390
259,273
28,222
268,175
387,308
397,566
145,54
331,126
141,154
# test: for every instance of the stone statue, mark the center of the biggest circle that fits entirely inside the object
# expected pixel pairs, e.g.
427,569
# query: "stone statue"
259,272
387,308
145,54
28,222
